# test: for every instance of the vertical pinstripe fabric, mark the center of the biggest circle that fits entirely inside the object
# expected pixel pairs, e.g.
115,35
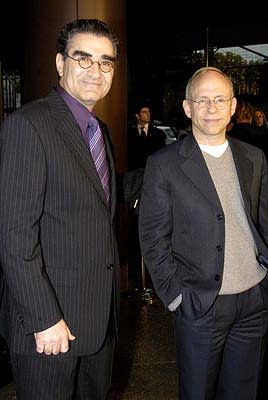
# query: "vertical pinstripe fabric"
98,152
51,378
58,378
57,243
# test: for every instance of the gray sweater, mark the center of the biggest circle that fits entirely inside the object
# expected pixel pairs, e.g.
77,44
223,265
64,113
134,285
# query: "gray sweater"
241,269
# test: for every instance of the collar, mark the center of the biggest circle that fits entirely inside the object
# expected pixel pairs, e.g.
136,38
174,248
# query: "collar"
79,111
145,127
215,151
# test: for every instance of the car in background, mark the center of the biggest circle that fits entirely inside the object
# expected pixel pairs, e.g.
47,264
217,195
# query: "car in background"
169,131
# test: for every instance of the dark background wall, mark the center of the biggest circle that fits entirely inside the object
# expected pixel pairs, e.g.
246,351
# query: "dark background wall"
157,40
29,29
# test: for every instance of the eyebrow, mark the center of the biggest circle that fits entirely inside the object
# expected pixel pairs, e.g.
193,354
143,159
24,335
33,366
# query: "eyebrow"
85,54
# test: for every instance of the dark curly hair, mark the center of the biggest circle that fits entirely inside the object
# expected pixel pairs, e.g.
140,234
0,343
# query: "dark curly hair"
93,26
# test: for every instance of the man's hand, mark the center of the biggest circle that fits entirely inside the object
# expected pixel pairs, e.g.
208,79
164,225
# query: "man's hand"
54,340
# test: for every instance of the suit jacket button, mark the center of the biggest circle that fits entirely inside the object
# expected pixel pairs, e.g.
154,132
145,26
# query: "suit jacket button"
219,247
220,217
110,266
217,277
21,319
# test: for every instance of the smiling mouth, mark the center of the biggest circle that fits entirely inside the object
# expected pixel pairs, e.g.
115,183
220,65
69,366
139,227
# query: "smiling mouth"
91,84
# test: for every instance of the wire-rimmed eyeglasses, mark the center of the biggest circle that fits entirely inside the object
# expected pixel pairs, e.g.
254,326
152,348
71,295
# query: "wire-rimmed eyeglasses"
87,62
204,102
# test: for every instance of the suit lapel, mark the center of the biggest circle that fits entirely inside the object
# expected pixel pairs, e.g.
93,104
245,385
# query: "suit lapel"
192,163
244,169
70,133
194,166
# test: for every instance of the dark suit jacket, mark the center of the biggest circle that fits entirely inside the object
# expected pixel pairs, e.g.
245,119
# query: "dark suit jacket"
57,242
140,148
182,222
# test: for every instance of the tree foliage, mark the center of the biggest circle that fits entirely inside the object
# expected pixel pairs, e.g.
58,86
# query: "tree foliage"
244,74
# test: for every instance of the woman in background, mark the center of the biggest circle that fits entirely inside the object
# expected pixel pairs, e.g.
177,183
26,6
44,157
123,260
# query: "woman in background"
259,119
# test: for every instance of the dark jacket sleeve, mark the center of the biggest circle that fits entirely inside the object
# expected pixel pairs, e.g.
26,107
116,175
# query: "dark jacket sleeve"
22,189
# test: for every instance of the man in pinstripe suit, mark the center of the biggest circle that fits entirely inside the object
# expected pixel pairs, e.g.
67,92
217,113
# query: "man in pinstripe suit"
57,244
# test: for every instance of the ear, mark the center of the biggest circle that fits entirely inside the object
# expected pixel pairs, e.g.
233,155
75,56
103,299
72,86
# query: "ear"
233,105
59,63
187,108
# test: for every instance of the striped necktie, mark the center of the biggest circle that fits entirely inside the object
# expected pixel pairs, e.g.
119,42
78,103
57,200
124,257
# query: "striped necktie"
98,152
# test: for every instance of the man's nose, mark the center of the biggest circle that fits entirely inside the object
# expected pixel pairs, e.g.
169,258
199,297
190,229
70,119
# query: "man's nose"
211,104
95,67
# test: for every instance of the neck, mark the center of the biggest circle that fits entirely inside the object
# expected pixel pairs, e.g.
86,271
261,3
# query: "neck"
210,139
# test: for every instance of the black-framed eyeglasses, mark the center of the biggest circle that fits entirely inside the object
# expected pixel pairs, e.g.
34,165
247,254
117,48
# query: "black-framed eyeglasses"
204,102
87,62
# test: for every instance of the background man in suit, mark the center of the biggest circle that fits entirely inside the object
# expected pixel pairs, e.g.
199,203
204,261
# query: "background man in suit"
204,232
143,140
57,245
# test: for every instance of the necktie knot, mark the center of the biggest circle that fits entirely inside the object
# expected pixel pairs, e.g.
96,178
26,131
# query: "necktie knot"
92,127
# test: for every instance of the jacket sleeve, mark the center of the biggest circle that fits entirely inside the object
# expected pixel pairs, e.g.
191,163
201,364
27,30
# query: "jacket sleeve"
23,181
155,230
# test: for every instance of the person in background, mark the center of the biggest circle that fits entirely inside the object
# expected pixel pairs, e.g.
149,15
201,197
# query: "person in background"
244,129
143,140
58,250
241,121
259,119
203,227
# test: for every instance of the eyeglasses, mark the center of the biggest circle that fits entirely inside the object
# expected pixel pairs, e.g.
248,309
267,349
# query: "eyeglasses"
204,102
87,62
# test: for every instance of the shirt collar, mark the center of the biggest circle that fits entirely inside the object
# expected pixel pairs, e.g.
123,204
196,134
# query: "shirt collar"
216,151
145,127
79,111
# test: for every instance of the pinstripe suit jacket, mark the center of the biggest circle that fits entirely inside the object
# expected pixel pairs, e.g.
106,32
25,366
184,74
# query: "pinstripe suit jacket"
182,223
57,243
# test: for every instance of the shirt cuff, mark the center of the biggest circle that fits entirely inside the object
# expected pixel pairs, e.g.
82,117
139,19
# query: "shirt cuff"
175,303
